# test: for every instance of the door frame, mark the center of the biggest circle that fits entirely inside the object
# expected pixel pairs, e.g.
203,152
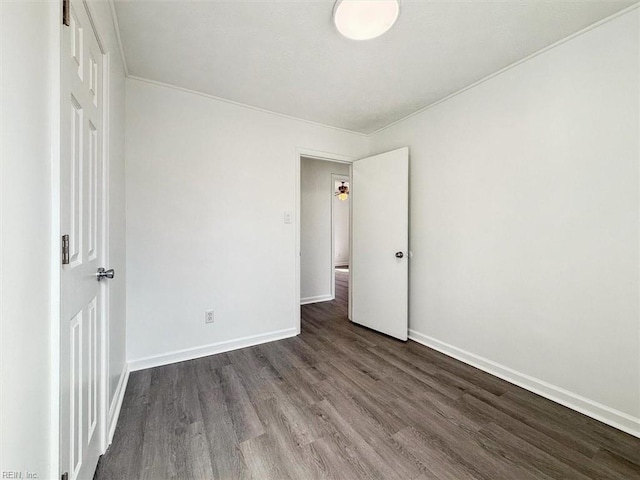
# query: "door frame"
105,286
56,33
327,157
55,67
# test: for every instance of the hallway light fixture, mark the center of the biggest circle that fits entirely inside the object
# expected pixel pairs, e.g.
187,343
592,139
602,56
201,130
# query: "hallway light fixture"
365,19
343,192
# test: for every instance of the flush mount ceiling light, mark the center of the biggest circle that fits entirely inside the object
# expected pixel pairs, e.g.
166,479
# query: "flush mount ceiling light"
365,19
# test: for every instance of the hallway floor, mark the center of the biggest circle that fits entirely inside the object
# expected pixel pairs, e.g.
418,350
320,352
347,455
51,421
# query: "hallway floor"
343,402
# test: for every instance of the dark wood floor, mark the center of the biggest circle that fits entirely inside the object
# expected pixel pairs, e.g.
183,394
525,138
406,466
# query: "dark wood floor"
343,402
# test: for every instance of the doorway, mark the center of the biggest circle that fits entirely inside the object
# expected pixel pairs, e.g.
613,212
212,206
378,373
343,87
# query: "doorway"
315,265
324,226
378,241
340,213
341,236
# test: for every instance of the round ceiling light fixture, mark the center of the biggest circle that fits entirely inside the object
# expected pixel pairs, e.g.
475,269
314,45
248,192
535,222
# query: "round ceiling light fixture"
365,19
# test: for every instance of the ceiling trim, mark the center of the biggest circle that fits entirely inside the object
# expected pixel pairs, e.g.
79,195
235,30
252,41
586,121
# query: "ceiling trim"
509,67
244,105
395,122
116,27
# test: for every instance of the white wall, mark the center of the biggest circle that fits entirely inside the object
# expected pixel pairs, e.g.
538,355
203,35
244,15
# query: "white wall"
341,227
316,195
25,246
206,196
525,219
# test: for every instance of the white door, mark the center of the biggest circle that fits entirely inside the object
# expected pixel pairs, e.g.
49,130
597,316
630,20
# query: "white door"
82,422
380,242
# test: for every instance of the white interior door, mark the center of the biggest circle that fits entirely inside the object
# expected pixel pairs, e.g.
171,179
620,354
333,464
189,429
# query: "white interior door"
380,242
82,422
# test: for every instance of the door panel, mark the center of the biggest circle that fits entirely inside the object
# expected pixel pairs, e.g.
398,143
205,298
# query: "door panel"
380,216
81,194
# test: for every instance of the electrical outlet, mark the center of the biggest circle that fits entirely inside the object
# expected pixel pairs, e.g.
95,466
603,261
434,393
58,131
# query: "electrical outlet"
208,316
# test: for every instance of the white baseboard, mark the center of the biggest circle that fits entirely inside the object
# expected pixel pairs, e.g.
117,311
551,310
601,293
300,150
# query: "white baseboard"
206,350
116,404
319,298
610,416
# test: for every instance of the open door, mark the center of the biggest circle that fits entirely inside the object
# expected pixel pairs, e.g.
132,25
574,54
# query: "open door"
380,243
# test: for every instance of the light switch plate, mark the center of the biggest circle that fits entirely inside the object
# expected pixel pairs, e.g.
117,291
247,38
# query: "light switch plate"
288,217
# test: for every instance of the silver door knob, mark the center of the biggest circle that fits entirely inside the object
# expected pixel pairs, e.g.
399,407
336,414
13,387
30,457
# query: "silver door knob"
399,254
102,273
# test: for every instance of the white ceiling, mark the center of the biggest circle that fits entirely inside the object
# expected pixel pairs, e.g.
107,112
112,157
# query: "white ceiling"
287,57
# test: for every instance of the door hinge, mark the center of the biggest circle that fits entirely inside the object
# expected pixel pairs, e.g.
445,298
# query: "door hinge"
65,249
66,12
65,476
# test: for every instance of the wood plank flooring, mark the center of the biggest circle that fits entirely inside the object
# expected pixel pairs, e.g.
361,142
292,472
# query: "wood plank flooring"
343,402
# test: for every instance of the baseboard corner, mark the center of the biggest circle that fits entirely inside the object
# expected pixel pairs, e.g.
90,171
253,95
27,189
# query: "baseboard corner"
316,299
211,349
603,413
